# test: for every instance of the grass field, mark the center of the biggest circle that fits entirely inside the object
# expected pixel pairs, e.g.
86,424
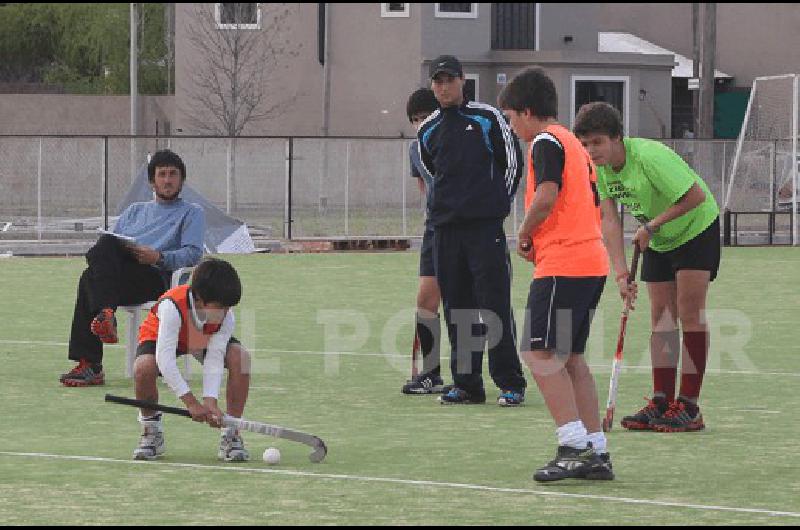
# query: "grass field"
65,457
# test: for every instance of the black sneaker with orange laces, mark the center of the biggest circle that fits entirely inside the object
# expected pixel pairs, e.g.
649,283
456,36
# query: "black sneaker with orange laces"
643,420
104,326
85,374
682,416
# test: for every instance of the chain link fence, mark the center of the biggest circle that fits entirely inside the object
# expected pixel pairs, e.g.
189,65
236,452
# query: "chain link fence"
283,188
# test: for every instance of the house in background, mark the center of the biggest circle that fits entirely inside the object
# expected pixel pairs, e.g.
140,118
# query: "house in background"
753,40
379,53
682,96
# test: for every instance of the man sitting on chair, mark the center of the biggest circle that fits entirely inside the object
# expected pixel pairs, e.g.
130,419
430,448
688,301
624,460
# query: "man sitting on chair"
163,235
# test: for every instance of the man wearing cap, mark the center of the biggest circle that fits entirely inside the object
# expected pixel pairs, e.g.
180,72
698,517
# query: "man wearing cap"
475,160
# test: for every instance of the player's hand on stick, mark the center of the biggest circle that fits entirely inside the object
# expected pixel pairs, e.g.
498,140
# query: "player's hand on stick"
628,290
199,412
642,238
215,415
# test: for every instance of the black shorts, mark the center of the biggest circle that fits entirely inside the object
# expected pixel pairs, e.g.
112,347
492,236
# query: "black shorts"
700,254
559,313
149,348
426,267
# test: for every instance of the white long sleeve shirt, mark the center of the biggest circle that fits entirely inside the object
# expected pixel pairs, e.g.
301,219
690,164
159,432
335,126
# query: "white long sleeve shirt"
167,344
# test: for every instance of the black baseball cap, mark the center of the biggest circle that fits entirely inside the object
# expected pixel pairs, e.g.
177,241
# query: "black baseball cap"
447,64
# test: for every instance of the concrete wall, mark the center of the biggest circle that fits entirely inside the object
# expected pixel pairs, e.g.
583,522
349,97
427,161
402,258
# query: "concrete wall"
559,20
752,39
76,114
374,67
462,37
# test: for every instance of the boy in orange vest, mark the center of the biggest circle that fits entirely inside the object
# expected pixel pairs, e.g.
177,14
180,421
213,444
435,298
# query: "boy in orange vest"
561,236
194,320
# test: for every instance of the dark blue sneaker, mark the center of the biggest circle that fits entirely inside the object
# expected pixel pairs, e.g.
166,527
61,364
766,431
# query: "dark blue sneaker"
457,396
511,398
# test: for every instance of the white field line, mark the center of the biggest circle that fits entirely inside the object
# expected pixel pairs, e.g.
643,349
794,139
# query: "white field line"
423,483
405,356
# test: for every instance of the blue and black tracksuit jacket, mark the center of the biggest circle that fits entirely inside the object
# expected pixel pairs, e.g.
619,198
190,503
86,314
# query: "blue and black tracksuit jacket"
475,160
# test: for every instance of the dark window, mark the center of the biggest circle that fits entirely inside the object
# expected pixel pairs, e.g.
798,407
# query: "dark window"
513,26
396,7
238,13
455,8
469,89
612,92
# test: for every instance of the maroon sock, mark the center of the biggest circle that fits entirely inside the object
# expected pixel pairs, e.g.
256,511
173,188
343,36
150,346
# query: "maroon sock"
664,348
695,355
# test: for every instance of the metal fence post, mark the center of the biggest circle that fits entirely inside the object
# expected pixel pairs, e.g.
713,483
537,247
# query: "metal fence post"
105,183
406,172
39,192
724,170
228,178
287,231
347,193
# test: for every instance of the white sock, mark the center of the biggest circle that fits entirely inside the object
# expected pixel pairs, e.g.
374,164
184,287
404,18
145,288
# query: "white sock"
152,420
229,431
599,442
573,435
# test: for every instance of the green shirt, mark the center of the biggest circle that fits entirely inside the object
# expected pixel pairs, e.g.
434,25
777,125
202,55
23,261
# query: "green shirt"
653,179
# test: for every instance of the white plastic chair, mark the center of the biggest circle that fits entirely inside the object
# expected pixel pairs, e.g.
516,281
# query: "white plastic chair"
179,277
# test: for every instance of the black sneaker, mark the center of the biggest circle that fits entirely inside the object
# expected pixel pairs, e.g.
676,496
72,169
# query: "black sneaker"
602,469
457,396
423,385
575,463
643,420
682,416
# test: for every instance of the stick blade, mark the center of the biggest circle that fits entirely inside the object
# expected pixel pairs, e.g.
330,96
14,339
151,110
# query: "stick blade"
319,453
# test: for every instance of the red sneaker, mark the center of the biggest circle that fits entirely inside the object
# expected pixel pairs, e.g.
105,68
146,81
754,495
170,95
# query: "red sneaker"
78,369
84,375
104,326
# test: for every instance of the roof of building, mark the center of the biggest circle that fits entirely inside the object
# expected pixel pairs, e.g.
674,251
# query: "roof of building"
619,42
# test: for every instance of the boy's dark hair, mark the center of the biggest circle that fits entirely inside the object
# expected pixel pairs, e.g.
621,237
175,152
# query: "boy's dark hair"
422,101
216,281
165,158
531,89
599,117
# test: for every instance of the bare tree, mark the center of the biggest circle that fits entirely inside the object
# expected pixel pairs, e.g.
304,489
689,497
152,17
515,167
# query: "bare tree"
239,49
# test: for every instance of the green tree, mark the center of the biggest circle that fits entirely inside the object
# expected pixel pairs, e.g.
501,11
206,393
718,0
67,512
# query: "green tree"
83,47
28,41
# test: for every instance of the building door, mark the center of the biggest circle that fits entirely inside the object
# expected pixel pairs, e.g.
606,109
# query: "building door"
610,89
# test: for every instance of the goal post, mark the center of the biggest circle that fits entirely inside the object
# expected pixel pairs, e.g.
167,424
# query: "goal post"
764,172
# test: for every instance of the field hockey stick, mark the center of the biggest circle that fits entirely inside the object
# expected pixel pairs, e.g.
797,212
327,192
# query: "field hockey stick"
276,431
616,368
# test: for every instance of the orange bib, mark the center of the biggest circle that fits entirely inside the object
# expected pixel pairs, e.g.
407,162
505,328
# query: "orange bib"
570,242
190,339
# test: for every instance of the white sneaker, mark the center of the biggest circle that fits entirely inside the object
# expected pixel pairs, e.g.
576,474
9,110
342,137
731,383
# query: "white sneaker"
151,444
231,447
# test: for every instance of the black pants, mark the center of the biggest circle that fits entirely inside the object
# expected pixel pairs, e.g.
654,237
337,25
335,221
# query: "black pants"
473,269
113,279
